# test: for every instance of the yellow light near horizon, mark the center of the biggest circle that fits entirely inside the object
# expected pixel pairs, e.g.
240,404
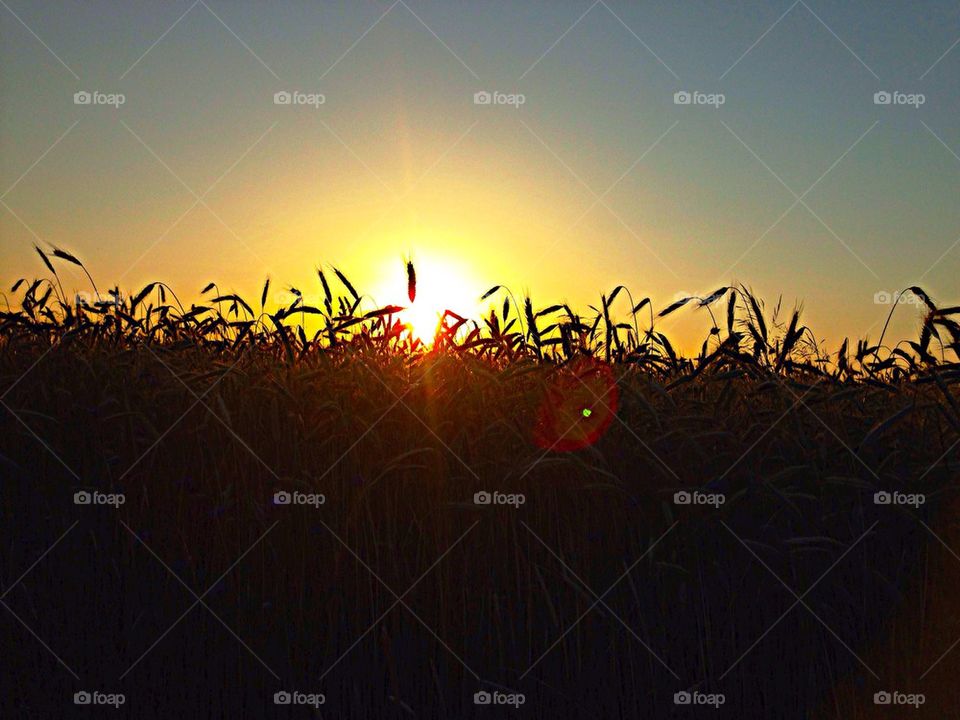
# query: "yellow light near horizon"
442,284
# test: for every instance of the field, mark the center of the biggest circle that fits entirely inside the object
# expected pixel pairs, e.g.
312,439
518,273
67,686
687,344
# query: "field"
300,508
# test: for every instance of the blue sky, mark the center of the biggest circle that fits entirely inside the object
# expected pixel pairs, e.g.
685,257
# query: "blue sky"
799,184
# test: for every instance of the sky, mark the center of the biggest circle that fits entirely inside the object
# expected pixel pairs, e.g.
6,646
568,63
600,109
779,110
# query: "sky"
785,171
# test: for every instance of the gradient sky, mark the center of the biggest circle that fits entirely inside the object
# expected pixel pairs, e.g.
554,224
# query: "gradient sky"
598,179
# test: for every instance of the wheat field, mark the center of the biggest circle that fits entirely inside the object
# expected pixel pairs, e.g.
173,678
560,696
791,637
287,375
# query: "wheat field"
541,503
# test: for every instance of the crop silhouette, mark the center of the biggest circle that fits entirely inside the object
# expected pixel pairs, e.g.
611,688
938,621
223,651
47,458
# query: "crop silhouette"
745,339
200,414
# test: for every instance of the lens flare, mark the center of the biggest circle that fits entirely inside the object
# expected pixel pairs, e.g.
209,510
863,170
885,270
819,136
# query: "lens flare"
578,406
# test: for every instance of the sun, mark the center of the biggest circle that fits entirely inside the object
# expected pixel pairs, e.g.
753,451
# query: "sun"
441,284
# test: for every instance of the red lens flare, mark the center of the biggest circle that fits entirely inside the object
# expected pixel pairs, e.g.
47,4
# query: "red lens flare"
579,404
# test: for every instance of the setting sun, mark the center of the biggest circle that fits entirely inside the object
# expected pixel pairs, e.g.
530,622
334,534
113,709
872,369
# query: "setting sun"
441,284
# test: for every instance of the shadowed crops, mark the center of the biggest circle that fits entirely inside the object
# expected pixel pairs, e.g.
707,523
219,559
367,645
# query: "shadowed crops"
598,596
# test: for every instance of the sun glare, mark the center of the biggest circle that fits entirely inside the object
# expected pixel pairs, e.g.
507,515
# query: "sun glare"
441,285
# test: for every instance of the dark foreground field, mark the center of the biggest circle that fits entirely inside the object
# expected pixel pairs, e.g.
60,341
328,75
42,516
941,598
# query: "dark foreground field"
584,589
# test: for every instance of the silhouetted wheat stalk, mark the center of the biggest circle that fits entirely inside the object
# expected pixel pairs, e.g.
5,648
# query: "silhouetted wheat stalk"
554,334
